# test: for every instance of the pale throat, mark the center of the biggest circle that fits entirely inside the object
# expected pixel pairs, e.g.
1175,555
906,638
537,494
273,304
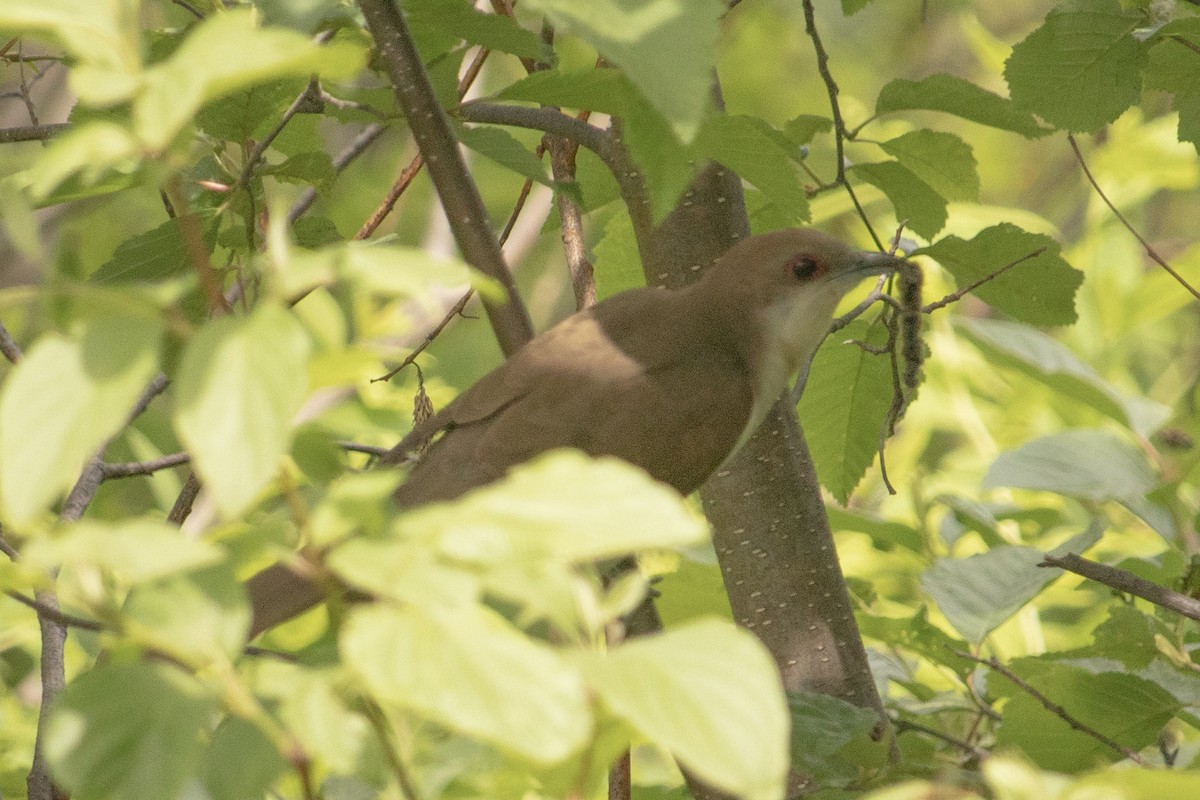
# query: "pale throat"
789,332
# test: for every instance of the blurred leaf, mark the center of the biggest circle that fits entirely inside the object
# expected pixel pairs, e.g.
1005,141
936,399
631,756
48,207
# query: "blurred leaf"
710,694
223,54
128,732
1091,464
200,617
241,381
1171,64
666,47
801,129
134,550
942,160
752,149
311,168
469,671
959,97
89,154
979,593
563,507
618,266
1082,68
845,401
1042,358
913,199
68,396
1040,290
240,763
312,708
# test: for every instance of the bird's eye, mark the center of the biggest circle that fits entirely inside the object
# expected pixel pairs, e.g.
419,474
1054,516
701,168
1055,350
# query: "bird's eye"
806,267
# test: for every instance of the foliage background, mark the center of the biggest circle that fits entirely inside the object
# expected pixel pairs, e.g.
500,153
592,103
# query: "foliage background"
1020,441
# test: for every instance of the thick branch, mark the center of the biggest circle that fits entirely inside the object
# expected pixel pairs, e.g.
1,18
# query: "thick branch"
459,195
32,133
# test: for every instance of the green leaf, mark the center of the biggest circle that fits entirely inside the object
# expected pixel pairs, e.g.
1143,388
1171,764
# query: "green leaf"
962,98
1082,68
1091,464
1137,784
68,396
803,128
710,694
1044,359
913,199
151,256
979,593
240,763
563,507
313,708
224,54
752,149
250,113
128,732
493,31
1188,106
942,160
1173,66
821,726
502,147
602,89
1039,290
668,48
618,266
845,401
312,168
469,671
1126,708
241,381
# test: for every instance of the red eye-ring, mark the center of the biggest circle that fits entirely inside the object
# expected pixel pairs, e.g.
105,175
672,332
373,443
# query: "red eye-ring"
806,267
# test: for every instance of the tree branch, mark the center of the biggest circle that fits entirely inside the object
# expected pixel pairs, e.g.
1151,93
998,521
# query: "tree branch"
458,193
32,133
1126,582
1150,251
1054,708
544,119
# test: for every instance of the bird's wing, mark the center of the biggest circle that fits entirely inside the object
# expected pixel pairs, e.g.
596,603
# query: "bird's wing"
575,386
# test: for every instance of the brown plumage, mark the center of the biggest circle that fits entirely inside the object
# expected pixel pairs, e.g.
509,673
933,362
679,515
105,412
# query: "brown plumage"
671,381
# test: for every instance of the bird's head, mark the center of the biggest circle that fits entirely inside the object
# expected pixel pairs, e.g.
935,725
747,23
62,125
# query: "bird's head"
783,287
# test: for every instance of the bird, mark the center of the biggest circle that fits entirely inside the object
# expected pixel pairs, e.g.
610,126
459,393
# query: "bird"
670,380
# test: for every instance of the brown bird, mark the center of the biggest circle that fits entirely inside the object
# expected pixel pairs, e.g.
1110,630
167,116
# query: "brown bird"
670,381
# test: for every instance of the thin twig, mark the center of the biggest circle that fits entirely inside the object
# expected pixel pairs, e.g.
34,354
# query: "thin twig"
53,614
32,133
357,147
835,109
1150,251
1055,708
311,94
132,468
379,723
458,193
369,449
189,7
457,309
9,346
1124,581
954,297
973,750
